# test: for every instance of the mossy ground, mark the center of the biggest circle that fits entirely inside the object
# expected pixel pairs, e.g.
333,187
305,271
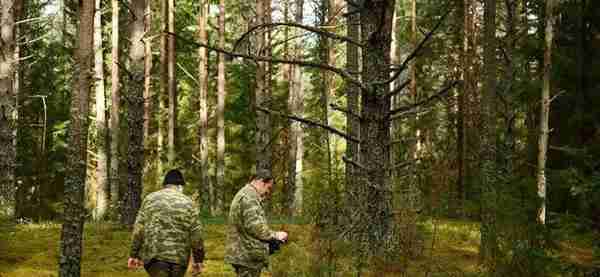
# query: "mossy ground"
32,250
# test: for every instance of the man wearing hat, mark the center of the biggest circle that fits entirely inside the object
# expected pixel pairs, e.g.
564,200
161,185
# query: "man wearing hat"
248,235
167,229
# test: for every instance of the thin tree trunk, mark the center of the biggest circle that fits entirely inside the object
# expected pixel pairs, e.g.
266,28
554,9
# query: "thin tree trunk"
545,111
172,137
8,108
135,115
102,197
114,124
206,188
164,87
221,94
489,244
352,94
264,150
296,94
148,93
74,212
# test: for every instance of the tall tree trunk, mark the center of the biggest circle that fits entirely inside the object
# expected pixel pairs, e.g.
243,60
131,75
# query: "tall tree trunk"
264,152
206,188
8,107
221,94
114,124
148,93
172,136
74,212
375,200
352,94
296,151
489,244
135,115
163,99
102,197
545,111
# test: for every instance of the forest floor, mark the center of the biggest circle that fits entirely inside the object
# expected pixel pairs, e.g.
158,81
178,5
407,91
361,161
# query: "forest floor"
32,250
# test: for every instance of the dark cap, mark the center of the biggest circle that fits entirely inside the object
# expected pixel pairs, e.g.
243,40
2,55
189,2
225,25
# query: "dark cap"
174,177
264,175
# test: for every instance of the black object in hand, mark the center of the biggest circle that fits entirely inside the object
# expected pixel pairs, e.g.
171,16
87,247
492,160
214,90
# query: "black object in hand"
274,245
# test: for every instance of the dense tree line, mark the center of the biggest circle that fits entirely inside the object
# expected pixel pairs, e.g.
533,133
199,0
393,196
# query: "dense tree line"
371,114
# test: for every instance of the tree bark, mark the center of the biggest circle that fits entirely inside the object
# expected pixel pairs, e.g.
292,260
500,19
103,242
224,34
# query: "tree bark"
221,95
374,220
489,244
172,136
352,94
135,115
264,152
102,196
206,188
148,93
8,108
545,111
74,212
114,124
163,99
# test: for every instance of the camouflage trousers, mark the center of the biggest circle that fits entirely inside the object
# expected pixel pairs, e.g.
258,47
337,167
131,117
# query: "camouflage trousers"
243,271
157,268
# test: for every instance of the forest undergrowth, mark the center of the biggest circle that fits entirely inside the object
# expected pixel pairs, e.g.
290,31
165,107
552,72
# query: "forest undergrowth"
451,249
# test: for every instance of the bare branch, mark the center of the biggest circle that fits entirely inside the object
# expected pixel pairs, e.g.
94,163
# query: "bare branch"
424,102
346,111
188,74
397,89
296,25
353,163
401,165
415,52
310,122
341,72
405,114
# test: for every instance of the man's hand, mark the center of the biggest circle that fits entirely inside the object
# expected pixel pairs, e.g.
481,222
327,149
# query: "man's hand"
281,235
196,269
134,263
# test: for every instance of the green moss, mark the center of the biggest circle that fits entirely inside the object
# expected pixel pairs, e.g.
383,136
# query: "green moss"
32,250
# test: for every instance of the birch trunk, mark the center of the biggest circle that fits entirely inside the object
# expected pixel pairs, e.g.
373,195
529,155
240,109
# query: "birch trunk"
545,111
206,188
172,84
102,197
114,124
8,108
221,94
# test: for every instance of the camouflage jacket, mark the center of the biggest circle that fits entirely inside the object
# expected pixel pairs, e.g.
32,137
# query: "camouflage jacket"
167,228
248,230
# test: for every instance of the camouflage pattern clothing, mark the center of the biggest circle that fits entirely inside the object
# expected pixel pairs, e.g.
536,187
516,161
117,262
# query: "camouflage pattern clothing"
248,231
167,228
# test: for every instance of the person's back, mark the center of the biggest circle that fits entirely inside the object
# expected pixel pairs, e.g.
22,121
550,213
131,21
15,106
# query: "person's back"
166,230
168,216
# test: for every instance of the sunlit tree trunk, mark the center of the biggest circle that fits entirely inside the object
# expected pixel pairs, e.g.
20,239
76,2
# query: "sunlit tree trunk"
8,108
172,136
296,94
148,92
221,94
163,98
72,229
135,114
206,188
545,111
102,197
114,124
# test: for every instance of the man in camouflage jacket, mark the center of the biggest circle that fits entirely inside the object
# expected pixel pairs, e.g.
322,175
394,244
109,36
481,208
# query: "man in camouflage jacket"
166,230
248,234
